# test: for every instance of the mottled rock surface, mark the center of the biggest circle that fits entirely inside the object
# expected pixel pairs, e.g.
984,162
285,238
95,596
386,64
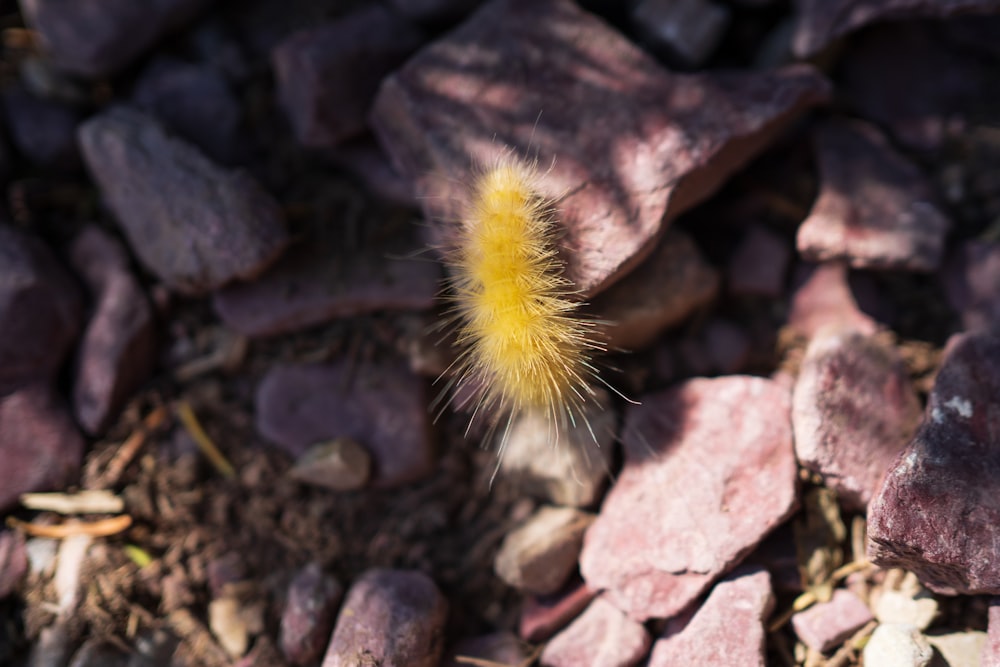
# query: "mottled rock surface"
540,555
827,624
309,613
602,636
972,284
824,299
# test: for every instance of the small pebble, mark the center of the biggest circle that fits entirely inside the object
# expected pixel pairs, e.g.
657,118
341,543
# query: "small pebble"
540,555
309,613
898,645
339,465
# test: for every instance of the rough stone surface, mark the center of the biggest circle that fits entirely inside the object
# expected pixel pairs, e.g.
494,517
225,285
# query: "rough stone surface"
500,648
602,636
728,629
709,471
897,645
824,299
665,141
307,619
898,607
44,131
340,465
972,284
688,30
13,561
853,411
99,37
390,617
192,223
540,555
118,349
827,624
40,446
759,264
660,293
327,76
381,406
875,209
543,616
40,307
937,512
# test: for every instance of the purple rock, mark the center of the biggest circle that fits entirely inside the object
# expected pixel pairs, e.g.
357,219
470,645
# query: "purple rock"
118,349
760,262
540,555
192,223
824,299
601,636
309,613
40,446
543,616
665,141
500,648
728,629
43,130
874,208
991,649
13,562
827,624
390,617
688,30
327,76
709,471
937,512
99,37
40,307
381,406
972,284
853,411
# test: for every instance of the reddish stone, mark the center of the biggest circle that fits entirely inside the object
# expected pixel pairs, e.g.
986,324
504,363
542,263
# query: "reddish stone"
759,265
972,284
709,471
622,146
307,619
543,616
601,636
826,625
824,299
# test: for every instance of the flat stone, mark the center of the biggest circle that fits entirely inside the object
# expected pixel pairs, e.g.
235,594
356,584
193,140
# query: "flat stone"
193,224
709,471
540,555
875,210
991,647
381,406
327,76
43,130
972,284
41,308
759,264
601,636
853,410
99,37
959,648
39,443
390,617
660,293
13,561
921,519
824,299
543,616
322,278
728,629
623,146
307,619
898,607
826,625
822,21
500,648
339,465
117,352
897,645
689,30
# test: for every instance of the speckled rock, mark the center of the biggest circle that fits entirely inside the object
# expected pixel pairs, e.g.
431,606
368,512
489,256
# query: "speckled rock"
307,620
192,223
875,210
13,561
381,406
897,645
972,284
543,616
728,629
390,617
937,512
688,30
826,625
602,636
709,471
44,131
759,264
540,555
853,411
823,299
665,142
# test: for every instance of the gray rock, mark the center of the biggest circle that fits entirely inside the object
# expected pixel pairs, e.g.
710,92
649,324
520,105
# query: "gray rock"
602,636
307,620
897,645
689,30
339,465
540,555
826,625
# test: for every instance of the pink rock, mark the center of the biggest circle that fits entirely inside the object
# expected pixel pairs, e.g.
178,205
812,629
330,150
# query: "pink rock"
543,616
827,624
853,410
500,648
381,406
759,265
728,629
309,613
875,210
13,561
118,350
972,284
390,617
602,636
824,299
991,649
709,471
622,146
937,512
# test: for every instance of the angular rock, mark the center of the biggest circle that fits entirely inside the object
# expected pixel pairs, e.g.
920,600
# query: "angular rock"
660,293
118,349
824,299
759,264
310,610
991,648
709,471
937,512
688,30
540,555
826,625
44,131
543,616
602,636
898,607
99,37
972,284
323,278
192,223
728,629
959,648
898,645
327,76
13,561
40,306
875,210
622,146
381,406
40,446
390,617
853,410
339,465
501,648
